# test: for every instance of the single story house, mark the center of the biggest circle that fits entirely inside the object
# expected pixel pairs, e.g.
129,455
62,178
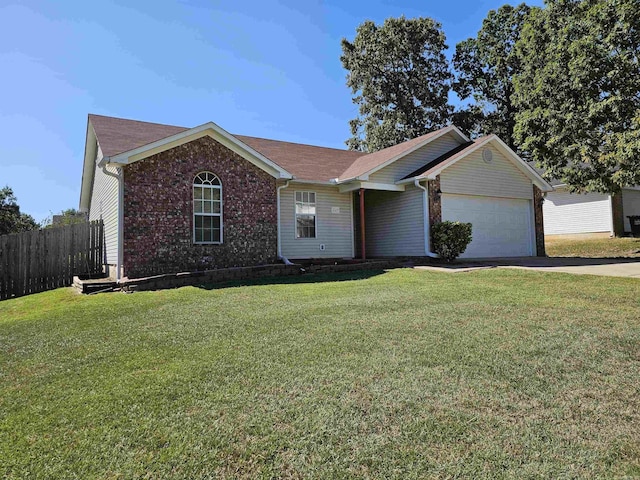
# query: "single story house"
567,213
177,199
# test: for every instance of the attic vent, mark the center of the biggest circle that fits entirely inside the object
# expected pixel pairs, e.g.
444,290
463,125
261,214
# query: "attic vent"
487,155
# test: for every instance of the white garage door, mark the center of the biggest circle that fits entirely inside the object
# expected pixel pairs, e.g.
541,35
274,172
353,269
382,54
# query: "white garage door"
501,226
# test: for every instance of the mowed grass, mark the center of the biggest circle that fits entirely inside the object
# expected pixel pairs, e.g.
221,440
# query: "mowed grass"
401,374
593,247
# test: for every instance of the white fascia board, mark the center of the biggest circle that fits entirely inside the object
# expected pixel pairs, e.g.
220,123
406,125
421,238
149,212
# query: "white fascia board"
461,135
524,167
207,129
515,159
88,168
411,180
443,132
295,180
350,187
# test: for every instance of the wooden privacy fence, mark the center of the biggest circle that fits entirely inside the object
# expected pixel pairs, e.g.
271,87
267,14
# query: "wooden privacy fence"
45,259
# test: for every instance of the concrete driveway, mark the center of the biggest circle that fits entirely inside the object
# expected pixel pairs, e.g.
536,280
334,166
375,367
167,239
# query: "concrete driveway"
608,267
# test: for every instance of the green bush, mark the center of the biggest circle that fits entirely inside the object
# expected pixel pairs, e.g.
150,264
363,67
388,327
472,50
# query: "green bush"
450,239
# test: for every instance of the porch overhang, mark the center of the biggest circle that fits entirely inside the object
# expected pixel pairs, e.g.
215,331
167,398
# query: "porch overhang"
357,185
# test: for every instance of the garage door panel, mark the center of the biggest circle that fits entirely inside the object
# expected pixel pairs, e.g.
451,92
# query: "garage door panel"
501,226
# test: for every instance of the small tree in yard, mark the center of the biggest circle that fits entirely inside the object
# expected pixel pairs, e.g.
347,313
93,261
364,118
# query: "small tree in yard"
450,239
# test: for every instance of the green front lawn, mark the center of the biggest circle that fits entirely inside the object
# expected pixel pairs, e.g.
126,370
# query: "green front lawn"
403,374
593,247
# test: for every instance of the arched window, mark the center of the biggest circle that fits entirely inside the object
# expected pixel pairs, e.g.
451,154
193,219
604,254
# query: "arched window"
207,208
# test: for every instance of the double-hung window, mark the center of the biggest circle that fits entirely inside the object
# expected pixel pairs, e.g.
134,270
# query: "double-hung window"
207,208
305,215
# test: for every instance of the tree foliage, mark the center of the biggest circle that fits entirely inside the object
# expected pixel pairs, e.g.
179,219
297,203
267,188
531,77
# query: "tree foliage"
485,66
11,219
400,79
578,94
70,216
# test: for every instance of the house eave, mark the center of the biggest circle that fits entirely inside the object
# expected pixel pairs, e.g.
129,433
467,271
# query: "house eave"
535,178
209,129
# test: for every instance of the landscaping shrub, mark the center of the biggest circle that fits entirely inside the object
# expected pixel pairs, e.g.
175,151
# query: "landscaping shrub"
450,239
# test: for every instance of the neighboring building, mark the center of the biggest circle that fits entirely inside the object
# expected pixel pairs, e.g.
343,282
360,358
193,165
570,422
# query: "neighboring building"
568,213
177,199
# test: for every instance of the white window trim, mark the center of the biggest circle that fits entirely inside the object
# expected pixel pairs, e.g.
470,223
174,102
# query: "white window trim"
295,216
193,210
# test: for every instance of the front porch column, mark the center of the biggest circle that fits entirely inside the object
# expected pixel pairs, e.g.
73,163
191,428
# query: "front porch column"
363,247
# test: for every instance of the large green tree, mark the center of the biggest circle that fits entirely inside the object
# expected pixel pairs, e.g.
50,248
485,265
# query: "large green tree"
11,219
400,79
578,94
485,66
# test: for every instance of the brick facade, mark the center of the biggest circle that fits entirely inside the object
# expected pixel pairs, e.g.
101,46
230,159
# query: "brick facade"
158,212
435,202
539,221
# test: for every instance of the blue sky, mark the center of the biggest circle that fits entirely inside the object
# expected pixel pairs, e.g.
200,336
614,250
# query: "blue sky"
259,68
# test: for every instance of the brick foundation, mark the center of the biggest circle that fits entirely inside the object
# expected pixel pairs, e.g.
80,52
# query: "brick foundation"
211,277
158,215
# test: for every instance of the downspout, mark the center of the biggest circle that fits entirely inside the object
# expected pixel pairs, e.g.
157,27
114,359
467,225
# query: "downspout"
285,260
427,223
119,176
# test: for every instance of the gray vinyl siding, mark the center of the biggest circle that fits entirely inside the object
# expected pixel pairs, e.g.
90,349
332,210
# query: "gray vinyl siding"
333,230
394,223
472,176
413,161
104,205
571,213
630,206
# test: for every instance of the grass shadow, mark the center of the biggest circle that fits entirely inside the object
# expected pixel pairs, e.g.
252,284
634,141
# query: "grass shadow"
296,279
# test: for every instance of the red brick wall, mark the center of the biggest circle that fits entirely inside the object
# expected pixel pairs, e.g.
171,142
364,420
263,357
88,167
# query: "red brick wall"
435,201
158,214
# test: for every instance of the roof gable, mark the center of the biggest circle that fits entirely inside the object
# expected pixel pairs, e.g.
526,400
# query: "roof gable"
306,162
434,168
372,162
209,129
118,135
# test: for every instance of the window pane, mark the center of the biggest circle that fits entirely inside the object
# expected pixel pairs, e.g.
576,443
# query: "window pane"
216,235
197,206
198,220
197,193
207,207
215,222
207,236
198,235
312,197
298,196
215,180
206,193
216,193
216,207
305,226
